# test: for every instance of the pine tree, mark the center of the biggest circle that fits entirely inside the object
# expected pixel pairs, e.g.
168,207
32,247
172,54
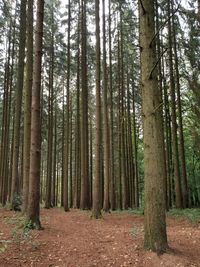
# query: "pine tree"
155,237
34,191
27,105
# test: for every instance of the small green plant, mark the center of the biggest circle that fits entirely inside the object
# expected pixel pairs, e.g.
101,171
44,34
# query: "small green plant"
20,236
17,202
27,227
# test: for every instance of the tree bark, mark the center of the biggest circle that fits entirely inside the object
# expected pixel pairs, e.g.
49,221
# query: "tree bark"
34,191
106,133
180,121
66,151
27,105
177,176
18,106
155,237
76,199
84,200
112,175
96,207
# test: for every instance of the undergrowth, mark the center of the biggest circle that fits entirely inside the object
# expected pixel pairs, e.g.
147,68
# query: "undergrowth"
191,215
20,232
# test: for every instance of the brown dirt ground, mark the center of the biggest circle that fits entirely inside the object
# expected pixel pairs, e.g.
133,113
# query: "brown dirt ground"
74,239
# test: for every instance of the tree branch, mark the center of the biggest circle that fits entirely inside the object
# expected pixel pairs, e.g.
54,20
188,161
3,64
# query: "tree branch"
143,9
164,23
157,108
151,73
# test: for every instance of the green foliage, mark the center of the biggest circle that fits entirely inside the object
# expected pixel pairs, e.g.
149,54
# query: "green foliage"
22,236
192,215
20,233
27,227
17,202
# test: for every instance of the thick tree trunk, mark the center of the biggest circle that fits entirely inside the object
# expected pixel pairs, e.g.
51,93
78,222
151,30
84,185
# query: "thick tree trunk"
155,237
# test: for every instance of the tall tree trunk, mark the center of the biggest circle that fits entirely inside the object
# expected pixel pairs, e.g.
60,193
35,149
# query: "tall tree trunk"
112,175
76,200
160,83
118,180
123,152
48,203
18,105
4,151
9,110
96,207
155,237
131,167
84,201
66,152
27,105
106,133
168,146
177,176
180,120
136,187
54,177
34,191
71,154
63,149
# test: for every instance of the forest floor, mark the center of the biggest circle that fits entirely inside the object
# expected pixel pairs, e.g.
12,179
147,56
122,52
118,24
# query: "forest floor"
74,239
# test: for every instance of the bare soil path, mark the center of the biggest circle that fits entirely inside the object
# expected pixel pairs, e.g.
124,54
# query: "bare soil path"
73,239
